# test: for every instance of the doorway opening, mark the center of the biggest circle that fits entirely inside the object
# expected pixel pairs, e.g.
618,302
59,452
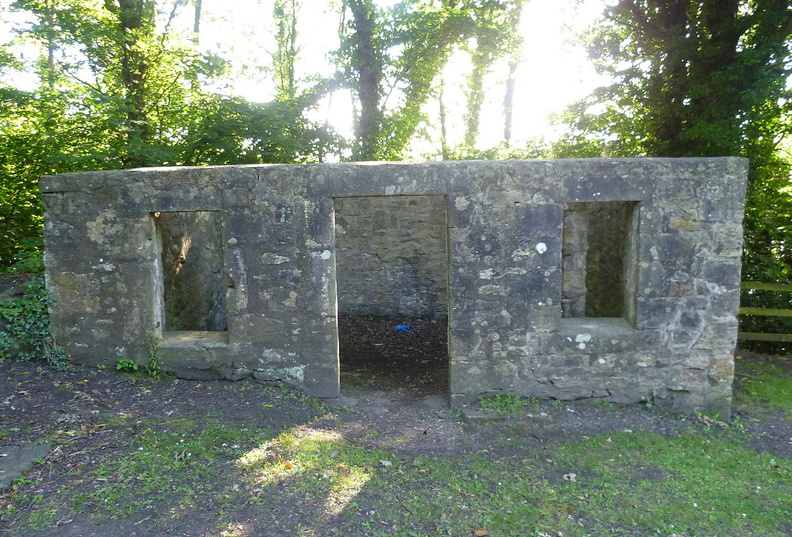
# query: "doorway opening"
392,291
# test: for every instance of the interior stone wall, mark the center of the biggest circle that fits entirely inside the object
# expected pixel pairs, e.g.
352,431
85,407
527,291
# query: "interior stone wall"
673,343
391,256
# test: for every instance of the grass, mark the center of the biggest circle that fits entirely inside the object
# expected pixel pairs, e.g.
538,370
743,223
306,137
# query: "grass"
507,403
173,462
638,483
705,481
766,385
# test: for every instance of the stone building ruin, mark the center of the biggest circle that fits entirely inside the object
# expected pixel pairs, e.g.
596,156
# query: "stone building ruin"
566,279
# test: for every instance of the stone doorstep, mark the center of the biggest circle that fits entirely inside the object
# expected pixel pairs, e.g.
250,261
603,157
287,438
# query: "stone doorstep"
16,460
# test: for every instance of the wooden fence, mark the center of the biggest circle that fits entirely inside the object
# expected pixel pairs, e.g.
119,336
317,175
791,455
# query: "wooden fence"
767,312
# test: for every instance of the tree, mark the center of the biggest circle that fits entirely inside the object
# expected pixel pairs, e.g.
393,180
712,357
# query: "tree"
235,131
496,35
390,60
690,78
285,14
119,88
699,78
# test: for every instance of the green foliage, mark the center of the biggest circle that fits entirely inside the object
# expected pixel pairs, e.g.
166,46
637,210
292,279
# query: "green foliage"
126,365
153,368
764,384
688,80
30,258
496,35
26,334
533,149
390,59
507,403
235,131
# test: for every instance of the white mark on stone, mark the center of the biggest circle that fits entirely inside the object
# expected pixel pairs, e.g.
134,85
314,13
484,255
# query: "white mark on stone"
325,254
107,267
653,251
486,274
274,259
232,241
293,374
715,289
390,190
581,340
461,203
601,360
523,252
541,247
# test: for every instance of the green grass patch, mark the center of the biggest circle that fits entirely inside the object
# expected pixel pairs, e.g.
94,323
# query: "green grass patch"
693,484
626,483
314,480
765,385
172,463
507,403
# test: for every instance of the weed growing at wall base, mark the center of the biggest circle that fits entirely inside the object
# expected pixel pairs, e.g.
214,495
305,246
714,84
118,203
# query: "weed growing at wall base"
126,365
153,367
507,403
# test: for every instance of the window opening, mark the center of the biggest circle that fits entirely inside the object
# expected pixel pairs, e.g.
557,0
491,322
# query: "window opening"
599,259
193,280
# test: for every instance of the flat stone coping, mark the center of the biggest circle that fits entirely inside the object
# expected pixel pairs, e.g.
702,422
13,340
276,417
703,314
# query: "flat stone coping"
202,339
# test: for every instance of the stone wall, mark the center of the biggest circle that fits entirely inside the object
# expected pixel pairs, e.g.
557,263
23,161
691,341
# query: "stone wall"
673,341
391,256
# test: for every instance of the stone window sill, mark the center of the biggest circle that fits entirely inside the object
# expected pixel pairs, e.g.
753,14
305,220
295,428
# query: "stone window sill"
596,326
194,339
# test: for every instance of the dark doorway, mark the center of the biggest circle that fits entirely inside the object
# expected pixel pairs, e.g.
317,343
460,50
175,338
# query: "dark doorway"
392,281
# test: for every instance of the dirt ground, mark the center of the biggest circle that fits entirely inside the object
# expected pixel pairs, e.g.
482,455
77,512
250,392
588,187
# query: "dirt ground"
393,382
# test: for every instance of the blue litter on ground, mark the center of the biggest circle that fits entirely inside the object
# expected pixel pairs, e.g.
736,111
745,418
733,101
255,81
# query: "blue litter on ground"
403,327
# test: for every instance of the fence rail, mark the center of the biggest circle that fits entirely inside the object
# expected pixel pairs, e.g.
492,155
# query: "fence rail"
768,312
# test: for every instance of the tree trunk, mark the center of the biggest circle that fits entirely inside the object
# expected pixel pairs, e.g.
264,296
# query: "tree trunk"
285,14
481,65
508,100
368,68
443,132
135,21
197,20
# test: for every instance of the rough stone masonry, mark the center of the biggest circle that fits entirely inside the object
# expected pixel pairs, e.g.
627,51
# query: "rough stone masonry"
566,279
